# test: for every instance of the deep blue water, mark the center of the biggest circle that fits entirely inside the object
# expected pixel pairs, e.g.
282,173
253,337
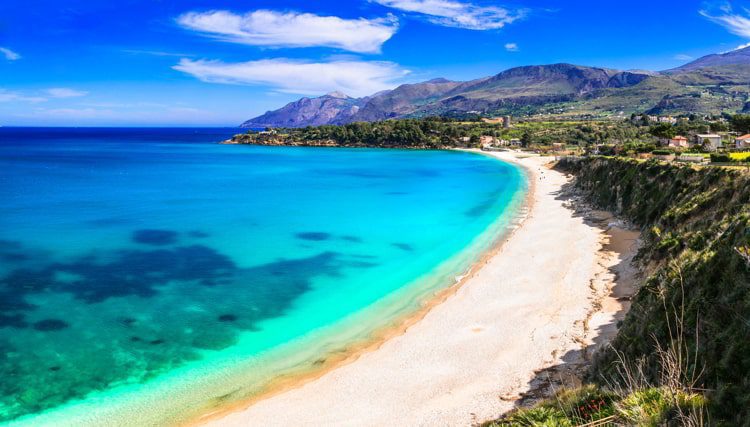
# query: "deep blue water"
127,255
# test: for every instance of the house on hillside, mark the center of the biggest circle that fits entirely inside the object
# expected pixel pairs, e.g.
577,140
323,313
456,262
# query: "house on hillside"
742,141
709,142
678,142
667,119
487,140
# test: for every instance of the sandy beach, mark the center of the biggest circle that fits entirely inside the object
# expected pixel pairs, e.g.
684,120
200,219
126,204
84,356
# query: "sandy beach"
521,324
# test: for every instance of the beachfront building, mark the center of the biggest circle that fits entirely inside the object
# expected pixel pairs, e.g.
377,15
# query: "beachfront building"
487,140
709,142
678,142
742,141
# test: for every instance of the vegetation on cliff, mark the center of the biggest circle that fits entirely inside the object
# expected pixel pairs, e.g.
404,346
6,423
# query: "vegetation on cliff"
695,301
682,354
591,405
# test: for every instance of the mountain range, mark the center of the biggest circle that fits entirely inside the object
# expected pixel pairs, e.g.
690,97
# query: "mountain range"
709,85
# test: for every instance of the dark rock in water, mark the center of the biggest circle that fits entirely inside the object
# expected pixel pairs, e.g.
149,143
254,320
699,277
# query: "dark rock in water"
48,325
14,257
54,368
127,321
481,208
156,342
12,251
12,321
135,339
198,234
313,235
155,237
227,318
403,246
353,239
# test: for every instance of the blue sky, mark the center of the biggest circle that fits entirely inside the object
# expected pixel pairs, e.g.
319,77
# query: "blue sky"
219,62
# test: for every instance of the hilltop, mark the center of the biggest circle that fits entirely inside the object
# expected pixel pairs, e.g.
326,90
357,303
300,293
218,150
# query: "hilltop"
710,85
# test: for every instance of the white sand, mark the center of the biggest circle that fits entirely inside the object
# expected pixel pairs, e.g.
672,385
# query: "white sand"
471,356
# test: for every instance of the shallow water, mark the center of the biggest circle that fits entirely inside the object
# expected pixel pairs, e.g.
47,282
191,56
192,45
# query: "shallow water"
133,259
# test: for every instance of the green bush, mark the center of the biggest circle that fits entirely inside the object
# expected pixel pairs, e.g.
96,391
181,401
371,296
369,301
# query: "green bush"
661,152
568,408
654,407
646,407
720,158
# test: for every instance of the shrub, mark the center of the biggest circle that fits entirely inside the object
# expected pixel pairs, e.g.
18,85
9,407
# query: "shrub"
568,408
657,406
720,158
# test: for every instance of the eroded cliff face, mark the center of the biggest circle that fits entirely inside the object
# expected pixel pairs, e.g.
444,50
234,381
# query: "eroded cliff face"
695,294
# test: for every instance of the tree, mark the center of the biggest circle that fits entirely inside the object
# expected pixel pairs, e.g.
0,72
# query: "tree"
526,139
663,130
718,127
741,123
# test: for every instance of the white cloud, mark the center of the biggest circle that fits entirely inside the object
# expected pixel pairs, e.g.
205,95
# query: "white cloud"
742,46
291,29
734,23
355,78
511,47
8,96
452,13
683,57
63,92
9,54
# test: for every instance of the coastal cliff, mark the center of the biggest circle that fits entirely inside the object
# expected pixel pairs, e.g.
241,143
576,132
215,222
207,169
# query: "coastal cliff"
694,302
682,354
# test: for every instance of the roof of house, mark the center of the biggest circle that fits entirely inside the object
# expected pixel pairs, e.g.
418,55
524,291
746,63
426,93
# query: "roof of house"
679,138
709,135
744,136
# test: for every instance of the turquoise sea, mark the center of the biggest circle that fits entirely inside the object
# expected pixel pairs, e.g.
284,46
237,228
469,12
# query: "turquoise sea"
151,275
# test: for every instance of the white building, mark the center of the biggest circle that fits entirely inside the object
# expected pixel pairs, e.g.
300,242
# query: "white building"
742,141
667,119
678,142
710,142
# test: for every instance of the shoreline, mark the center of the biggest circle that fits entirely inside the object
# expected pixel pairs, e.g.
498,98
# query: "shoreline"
332,362
331,385
212,393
